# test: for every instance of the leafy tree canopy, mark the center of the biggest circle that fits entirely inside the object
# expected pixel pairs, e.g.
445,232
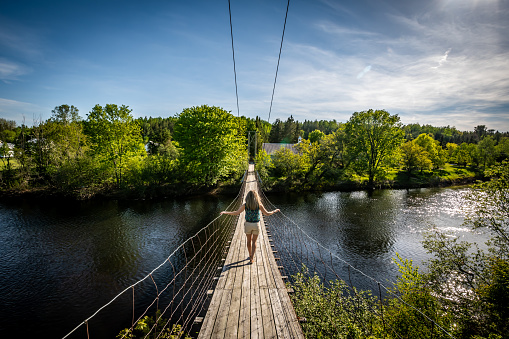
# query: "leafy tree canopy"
212,144
115,136
373,136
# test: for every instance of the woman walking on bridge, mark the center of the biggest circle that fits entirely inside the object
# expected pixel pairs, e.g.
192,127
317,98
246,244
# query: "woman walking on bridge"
252,206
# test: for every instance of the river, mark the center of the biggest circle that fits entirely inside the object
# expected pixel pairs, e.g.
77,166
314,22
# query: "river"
61,260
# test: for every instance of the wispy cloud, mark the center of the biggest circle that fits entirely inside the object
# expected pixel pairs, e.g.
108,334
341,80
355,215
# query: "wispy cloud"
443,59
409,74
332,28
19,39
11,71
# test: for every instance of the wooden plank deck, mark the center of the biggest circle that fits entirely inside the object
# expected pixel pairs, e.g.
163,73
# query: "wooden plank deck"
250,301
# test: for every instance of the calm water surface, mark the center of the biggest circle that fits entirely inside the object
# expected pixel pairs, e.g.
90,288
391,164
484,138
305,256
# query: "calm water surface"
61,261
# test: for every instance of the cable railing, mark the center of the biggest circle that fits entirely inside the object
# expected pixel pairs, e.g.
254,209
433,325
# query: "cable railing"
299,253
175,293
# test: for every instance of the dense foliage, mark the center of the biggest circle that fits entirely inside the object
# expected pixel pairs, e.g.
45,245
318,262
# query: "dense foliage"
111,152
373,149
212,144
203,147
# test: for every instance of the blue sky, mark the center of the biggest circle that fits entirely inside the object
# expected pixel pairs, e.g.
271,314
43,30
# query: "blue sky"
439,62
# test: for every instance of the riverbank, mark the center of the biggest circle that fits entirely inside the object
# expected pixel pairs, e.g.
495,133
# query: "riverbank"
450,176
132,193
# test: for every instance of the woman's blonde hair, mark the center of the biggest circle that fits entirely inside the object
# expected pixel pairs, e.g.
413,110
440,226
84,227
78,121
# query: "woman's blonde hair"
252,201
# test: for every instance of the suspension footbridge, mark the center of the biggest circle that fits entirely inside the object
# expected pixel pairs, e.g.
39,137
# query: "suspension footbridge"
206,287
250,301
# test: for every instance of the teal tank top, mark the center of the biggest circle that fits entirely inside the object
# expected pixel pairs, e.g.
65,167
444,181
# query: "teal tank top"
252,215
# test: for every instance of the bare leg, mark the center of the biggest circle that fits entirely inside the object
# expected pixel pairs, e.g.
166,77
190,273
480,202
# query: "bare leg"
253,246
249,245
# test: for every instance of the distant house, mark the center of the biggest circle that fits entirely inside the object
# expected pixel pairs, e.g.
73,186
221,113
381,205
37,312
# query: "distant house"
271,148
10,152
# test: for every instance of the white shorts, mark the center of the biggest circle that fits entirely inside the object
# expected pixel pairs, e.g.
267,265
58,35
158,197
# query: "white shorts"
252,227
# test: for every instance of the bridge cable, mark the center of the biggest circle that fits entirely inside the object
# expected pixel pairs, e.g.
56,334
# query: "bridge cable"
279,58
233,53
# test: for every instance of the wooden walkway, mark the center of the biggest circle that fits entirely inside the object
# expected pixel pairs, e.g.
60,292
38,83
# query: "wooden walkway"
250,301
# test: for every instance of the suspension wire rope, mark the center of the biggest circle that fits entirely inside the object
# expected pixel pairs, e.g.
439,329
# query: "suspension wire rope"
187,288
233,53
289,240
278,59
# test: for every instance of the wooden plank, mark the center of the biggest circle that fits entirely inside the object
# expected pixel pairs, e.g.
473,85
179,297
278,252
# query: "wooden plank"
279,317
256,310
260,264
208,322
222,315
291,317
245,304
233,257
270,283
284,306
235,283
293,327
232,324
225,271
269,327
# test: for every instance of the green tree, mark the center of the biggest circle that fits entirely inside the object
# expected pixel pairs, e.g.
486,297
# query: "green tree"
324,158
451,152
486,151
335,310
288,164
65,114
263,163
415,157
64,131
212,144
415,313
115,137
7,130
316,136
502,148
372,137
276,131
435,152
463,154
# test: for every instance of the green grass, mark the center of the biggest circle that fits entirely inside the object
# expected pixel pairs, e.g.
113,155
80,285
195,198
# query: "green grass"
455,172
447,173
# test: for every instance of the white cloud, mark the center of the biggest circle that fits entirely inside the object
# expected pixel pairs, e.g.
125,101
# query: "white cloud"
443,59
11,70
409,74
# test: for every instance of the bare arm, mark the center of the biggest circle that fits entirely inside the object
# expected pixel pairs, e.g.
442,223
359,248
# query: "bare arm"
237,212
264,211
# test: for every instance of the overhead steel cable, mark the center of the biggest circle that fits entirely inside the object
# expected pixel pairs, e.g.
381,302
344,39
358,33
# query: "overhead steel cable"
278,59
233,53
